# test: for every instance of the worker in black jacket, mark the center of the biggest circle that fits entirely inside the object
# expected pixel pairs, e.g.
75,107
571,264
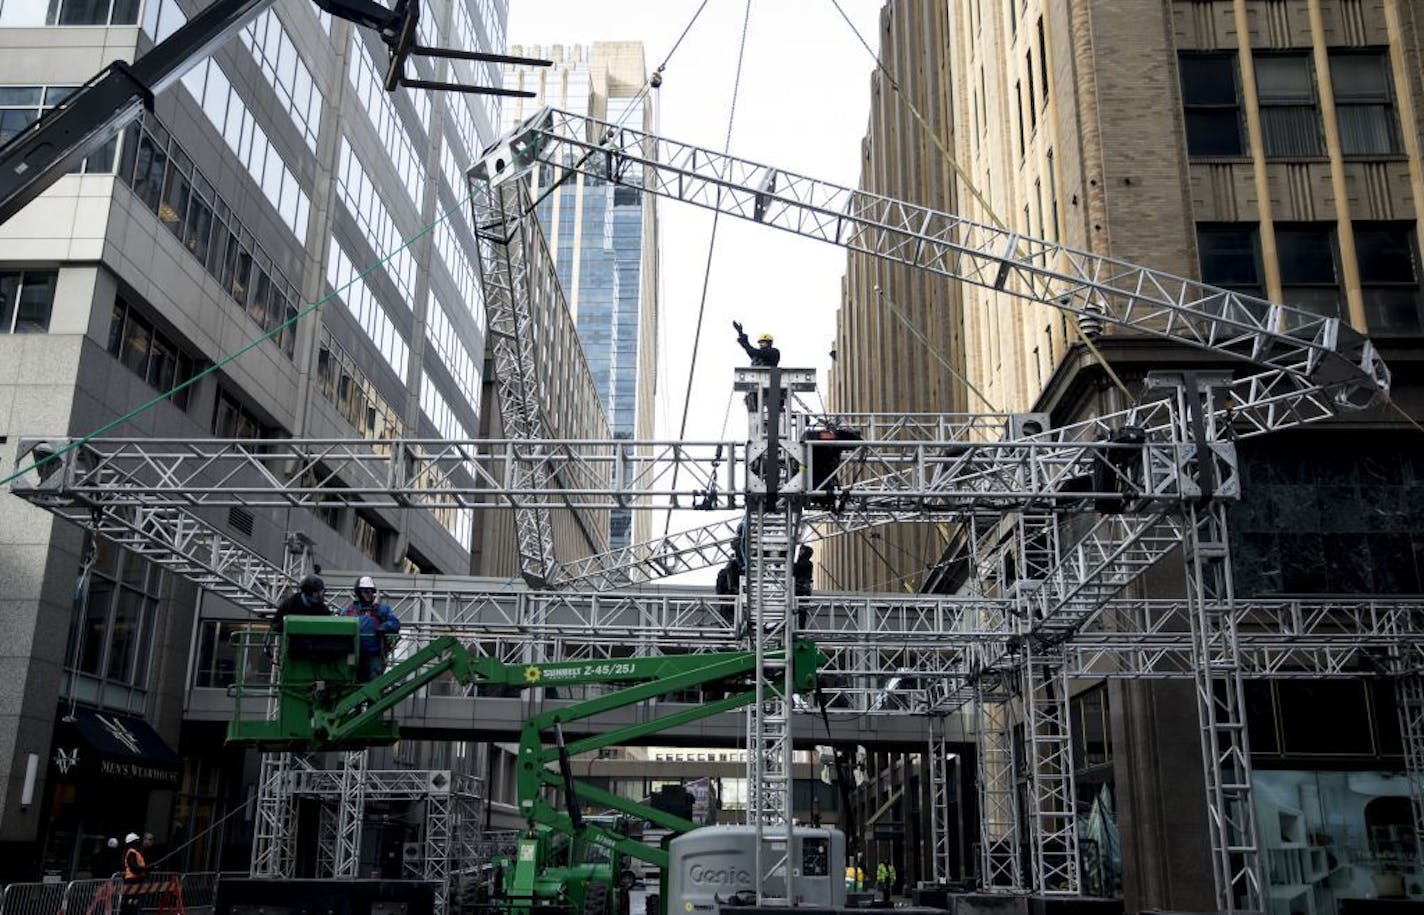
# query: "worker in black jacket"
763,353
309,600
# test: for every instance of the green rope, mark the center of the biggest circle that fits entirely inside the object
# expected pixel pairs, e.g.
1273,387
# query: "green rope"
136,411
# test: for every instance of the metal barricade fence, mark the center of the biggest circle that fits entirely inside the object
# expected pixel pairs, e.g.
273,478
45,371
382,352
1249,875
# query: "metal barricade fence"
32,899
91,897
198,891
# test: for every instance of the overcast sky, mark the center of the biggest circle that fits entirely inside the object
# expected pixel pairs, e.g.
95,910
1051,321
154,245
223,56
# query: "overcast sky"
802,106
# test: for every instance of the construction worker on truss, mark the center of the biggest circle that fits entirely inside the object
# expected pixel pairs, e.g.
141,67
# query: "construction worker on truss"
763,353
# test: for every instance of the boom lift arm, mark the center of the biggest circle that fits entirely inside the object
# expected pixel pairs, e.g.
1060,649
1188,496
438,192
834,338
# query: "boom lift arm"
320,706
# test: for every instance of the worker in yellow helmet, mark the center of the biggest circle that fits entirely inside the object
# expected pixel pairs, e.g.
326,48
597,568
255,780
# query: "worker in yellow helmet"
763,353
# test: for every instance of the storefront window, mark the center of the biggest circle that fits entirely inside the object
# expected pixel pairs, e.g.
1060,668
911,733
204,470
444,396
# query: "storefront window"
1330,836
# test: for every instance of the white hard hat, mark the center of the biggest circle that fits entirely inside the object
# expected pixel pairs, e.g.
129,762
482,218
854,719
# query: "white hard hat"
365,581
131,837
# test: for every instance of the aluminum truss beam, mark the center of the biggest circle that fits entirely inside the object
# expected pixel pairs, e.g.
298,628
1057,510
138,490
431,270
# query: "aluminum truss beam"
439,837
899,478
940,800
520,286
1000,868
273,852
1226,751
1048,745
1311,351
351,812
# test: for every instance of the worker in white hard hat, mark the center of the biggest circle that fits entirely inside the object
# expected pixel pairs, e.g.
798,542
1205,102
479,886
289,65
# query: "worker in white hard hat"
378,625
135,869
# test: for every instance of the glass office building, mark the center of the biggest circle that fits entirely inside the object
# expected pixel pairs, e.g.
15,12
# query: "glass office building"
269,178
604,238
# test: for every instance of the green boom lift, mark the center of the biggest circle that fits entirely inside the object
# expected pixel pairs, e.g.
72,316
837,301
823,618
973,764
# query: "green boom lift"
565,861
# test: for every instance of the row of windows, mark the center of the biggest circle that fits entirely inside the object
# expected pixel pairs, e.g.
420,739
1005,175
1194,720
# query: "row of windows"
1032,101
1308,256
370,89
438,409
441,332
468,72
1286,90
163,176
451,248
365,206
111,629
149,353
369,313
20,13
22,105
457,521
352,392
453,176
224,108
26,300
278,59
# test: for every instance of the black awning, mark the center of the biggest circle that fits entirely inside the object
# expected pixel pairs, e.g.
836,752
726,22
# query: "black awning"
113,747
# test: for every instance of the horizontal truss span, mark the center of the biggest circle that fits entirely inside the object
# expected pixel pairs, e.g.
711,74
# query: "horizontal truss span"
1322,351
875,476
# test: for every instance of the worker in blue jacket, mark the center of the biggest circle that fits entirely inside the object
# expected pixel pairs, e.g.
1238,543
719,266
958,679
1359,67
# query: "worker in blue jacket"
378,627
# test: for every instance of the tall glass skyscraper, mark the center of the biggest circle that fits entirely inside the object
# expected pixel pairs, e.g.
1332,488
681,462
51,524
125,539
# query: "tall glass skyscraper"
603,238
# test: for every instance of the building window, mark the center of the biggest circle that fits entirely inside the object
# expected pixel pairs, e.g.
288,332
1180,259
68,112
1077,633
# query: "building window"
368,538
1388,255
1309,280
1018,93
1092,743
221,662
1053,194
111,630
1290,119
1211,102
1364,107
1042,61
68,12
149,353
26,300
22,105
1032,100
1229,258
232,420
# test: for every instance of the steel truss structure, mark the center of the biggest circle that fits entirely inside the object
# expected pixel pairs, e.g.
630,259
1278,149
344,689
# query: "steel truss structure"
453,805
941,799
1043,606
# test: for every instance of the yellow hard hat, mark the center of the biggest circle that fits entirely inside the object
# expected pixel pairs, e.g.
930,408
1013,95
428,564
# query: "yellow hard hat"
764,338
